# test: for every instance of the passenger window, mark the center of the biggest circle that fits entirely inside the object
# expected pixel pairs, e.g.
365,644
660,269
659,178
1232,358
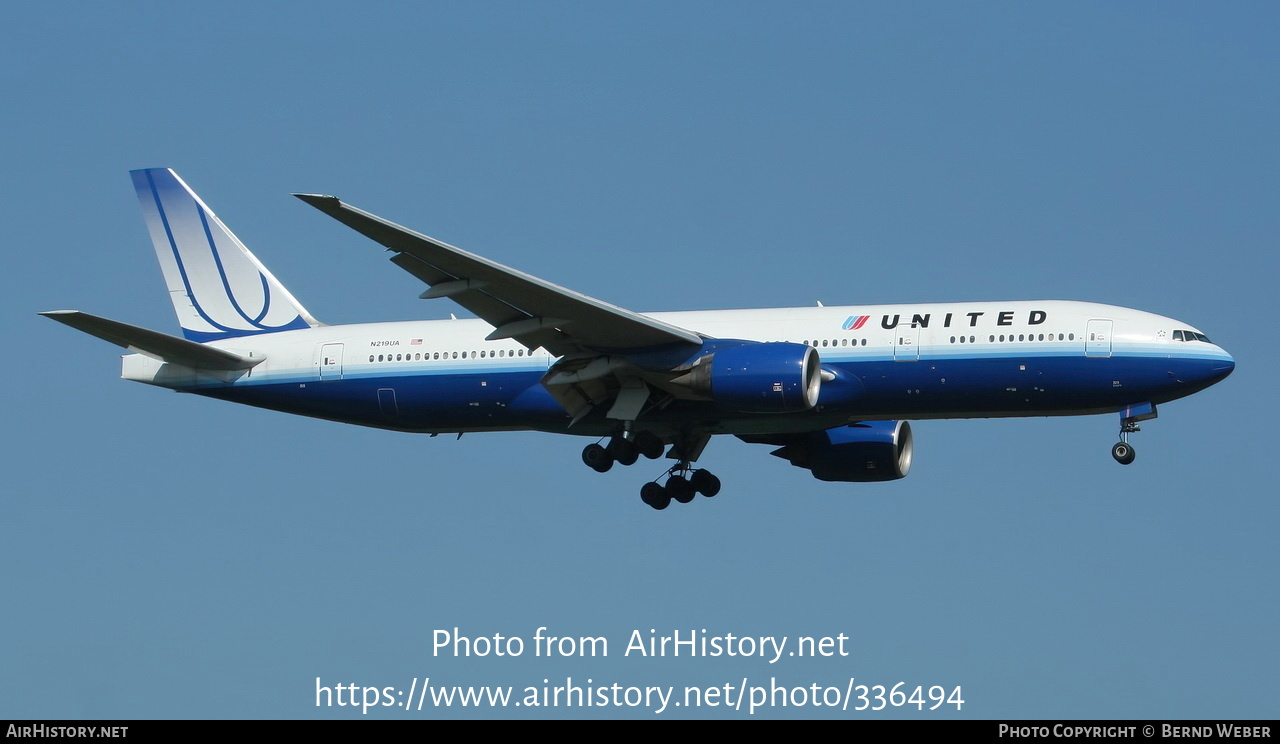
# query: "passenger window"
371,357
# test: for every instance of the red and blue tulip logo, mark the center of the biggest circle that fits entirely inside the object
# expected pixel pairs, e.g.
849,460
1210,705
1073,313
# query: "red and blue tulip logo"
854,322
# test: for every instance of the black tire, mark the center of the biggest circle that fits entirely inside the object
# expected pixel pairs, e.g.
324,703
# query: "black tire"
649,444
681,489
623,451
1123,453
705,483
655,496
597,458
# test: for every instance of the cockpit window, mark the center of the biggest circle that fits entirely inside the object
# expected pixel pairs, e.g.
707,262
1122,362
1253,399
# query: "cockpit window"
1190,336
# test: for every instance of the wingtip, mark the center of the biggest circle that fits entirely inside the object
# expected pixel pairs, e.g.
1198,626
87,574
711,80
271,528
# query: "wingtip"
323,202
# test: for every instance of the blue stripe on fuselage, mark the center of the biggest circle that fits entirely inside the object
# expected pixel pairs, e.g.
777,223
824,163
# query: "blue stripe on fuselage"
479,396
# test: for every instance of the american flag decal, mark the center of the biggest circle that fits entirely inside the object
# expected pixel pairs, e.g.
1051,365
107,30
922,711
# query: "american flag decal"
416,342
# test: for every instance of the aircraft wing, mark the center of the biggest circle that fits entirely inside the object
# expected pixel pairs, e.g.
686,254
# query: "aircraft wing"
518,306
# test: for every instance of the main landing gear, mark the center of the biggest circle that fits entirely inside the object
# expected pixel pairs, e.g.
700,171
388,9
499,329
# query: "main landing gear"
684,482
682,486
622,451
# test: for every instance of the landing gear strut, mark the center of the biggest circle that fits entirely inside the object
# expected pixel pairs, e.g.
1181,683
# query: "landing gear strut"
683,481
1130,415
1122,450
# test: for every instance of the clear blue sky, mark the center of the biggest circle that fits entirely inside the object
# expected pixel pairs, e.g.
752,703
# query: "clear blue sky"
170,556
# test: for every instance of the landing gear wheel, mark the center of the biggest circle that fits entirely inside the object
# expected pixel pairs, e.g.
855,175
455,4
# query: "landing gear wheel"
681,489
655,495
705,483
1123,453
597,458
624,451
648,444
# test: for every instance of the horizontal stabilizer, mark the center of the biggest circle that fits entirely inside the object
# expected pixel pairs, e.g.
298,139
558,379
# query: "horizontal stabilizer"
154,344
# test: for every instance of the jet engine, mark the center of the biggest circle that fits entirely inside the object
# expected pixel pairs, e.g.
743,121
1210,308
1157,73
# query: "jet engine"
857,453
758,378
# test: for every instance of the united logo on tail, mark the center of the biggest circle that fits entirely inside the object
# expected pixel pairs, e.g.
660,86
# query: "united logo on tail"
219,289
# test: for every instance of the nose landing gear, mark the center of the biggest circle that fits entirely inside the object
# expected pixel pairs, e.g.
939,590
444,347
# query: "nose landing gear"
1122,451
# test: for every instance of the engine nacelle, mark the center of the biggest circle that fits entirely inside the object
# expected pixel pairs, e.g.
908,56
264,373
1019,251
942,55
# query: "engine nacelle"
858,453
758,378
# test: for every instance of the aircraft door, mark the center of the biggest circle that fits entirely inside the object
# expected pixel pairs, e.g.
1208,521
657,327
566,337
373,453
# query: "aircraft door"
1097,341
906,344
387,404
330,362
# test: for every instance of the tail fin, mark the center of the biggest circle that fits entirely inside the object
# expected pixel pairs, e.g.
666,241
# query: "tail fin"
218,288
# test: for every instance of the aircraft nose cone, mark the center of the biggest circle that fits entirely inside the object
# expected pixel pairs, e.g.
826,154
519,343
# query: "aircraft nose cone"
1224,368
1198,374
1217,369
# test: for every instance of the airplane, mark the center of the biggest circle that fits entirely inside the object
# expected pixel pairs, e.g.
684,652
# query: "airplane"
832,388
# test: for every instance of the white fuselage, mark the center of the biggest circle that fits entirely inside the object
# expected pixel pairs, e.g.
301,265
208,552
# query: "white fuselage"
993,351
